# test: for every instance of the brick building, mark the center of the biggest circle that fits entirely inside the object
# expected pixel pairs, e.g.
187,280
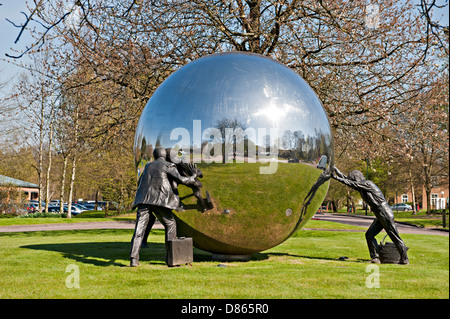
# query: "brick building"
28,190
439,197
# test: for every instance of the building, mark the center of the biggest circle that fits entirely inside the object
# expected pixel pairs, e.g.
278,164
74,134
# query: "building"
8,184
439,197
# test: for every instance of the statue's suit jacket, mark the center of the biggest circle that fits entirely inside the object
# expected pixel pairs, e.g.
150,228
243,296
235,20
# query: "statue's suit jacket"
370,193
154,186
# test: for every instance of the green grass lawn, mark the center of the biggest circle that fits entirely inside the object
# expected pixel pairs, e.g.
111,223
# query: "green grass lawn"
33,265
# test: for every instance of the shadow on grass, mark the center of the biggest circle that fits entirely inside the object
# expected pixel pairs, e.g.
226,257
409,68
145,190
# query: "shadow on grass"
94,253
264,256
117,254
106,254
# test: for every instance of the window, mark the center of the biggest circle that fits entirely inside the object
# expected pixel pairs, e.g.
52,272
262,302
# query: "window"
404,198
434,199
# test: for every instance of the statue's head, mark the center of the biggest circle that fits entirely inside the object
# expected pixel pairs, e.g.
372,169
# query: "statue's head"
356,176
171,156
159,152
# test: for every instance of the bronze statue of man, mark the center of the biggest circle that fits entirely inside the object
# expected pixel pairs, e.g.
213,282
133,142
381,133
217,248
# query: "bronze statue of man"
186,170
373,197
155,195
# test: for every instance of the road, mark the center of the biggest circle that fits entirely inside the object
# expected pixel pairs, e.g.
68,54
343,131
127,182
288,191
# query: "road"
355,220
126,224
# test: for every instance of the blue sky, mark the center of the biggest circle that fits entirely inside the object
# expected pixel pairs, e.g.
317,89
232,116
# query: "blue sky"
8,33
10,9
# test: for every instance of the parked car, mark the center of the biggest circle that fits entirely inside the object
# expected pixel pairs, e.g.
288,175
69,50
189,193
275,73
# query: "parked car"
37,202
33,207
74,210
55,209
81,207
401,206
91,206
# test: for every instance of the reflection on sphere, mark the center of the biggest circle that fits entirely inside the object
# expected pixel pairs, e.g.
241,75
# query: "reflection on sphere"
260,137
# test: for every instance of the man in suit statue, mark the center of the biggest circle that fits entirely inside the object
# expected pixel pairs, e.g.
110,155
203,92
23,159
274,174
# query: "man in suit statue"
187,170
373,197
155,195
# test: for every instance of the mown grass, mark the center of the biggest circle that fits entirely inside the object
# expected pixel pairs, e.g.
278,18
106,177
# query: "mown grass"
33,265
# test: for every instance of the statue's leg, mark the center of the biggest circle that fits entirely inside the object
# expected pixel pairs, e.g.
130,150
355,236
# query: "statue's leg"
392,232
209,203
151,222
166,218
198,194
139,231
373,230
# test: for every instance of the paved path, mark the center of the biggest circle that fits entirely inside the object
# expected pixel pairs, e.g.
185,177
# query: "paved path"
365,221
126,224
356,220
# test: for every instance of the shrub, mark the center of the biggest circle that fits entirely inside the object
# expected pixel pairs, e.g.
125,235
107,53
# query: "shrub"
44,215
439,211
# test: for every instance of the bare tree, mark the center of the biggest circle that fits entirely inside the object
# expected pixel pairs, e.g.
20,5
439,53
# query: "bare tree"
435,30
423,139
63,148
34,98
49,151
363,71
366,62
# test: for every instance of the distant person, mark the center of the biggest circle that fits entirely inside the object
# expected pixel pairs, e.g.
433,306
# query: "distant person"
155,195
373,197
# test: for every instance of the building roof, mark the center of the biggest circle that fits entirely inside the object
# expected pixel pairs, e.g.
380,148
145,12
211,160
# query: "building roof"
5,180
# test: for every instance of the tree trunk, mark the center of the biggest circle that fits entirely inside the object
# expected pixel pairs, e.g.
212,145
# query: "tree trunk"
428,192
74,164
96,200
350,207
335,204
63,182
41,151
413,194
427,171
254,25
50,138
72,181
353,205
224,156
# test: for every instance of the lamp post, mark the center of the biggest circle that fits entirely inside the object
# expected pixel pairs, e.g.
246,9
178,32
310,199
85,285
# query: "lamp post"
396,207
444,223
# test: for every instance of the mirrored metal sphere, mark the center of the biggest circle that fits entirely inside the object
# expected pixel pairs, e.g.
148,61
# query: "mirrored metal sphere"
260,139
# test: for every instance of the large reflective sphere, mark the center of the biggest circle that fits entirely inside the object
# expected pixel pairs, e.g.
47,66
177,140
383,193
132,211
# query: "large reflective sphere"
261,139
